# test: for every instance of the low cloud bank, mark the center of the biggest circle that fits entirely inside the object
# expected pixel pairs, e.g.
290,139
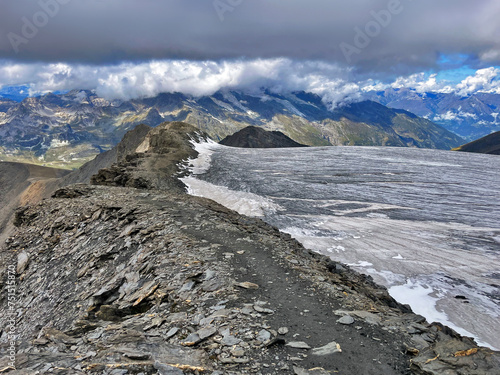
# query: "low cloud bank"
336,84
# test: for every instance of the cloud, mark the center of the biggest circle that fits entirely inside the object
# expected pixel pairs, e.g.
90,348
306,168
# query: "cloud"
422,83
485,80
457,115
146,79
482,81
110,31
336,84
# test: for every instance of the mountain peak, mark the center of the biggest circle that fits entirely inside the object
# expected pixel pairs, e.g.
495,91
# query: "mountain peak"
255,137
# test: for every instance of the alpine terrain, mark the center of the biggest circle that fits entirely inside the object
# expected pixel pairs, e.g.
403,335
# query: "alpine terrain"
69,129
130,275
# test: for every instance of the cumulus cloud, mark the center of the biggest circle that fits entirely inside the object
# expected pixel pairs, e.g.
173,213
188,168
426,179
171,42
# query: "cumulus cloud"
485,80
422,83
135,80
457,115
336,84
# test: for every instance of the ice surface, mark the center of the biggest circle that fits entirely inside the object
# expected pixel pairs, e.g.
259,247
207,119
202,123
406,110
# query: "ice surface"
424,301
424,223
244,203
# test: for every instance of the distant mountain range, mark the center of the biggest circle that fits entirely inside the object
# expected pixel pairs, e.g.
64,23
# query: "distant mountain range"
69,129
470,117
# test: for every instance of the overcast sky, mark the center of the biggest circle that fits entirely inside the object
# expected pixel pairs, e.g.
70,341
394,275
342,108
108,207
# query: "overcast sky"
346,40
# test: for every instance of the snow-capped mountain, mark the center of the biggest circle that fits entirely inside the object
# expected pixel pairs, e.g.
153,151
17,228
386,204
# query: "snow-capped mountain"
470,117
68,129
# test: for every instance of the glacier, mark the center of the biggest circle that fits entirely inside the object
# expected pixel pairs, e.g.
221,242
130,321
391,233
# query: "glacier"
423,223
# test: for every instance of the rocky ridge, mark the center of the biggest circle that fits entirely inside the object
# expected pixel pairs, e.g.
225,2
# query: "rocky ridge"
130,275
486,145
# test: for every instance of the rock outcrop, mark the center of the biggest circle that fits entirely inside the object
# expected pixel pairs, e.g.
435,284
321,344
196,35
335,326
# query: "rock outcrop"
255,137
486,145
131,275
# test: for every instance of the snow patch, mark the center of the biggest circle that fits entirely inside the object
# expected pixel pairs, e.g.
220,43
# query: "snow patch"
419,298
244,203
58,143
232,99
221,104
205,150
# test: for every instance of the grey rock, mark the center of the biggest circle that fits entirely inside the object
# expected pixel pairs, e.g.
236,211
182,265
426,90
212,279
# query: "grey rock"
212,285
298,345
368,317
247,285
209,275
22,261
262,310
191,340
315,371
187,286
206,332
171,332
263,336
237,352
248,310
415,328
167,370
135,355
328,349
177,317
95,334
229,340
346,320
283,330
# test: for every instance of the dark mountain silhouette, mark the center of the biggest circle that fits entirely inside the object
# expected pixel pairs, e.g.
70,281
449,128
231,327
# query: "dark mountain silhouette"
486,145
254,137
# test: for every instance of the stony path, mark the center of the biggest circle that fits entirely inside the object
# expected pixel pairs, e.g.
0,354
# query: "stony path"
298,305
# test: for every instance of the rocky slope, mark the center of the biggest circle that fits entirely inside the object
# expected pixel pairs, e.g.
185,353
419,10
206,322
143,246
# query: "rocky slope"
132,276
22,184
254,137
17,181
486,145
69,129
